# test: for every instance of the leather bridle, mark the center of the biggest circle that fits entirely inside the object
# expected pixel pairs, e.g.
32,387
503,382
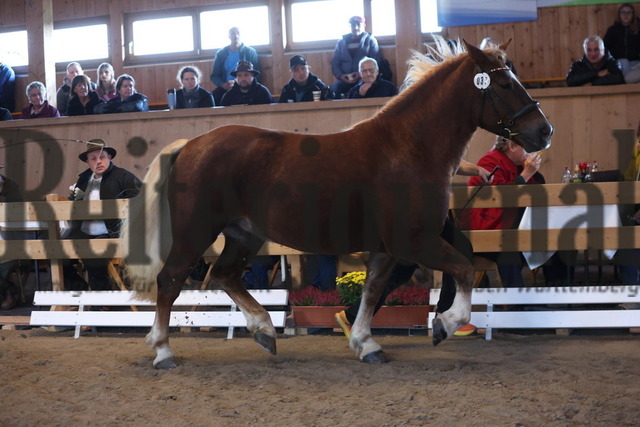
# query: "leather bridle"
512,116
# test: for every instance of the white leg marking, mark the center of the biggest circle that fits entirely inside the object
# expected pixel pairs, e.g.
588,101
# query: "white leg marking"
459,313
163,352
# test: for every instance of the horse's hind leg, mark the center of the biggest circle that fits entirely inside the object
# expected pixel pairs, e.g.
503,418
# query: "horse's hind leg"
241,245
458,312
378,270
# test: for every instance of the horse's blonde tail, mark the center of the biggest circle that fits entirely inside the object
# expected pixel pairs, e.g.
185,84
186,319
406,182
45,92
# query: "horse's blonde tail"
146,231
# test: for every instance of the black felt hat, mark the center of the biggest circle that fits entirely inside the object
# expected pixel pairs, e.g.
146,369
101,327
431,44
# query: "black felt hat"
97,145
245,66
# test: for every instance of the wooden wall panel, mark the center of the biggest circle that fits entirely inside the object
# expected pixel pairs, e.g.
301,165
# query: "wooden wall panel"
12,13
556,37
540,49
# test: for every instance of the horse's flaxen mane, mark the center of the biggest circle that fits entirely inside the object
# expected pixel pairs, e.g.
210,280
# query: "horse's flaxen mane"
421,64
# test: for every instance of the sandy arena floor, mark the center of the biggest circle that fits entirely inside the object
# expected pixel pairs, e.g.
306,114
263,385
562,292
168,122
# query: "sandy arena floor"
50,378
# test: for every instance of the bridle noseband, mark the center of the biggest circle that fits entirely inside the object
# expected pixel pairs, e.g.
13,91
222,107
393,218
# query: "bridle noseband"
512,116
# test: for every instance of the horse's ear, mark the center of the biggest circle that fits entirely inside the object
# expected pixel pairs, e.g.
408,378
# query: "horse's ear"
478,56
505,45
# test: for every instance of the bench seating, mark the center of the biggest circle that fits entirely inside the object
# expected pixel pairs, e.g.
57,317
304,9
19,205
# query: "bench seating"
82,300
567,309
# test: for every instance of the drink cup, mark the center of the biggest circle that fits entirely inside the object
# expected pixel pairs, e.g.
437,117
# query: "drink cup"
316,95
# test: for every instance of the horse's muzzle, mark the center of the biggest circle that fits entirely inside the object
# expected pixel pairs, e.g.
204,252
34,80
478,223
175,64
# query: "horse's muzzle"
535,138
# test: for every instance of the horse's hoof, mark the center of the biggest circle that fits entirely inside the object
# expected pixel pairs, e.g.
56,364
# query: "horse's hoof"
166,364
376,357
266,341
439,332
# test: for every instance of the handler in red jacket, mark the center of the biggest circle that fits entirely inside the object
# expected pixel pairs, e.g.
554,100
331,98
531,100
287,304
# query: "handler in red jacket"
515,166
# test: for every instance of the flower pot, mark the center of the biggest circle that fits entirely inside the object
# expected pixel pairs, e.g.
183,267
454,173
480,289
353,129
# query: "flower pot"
389,316
317,316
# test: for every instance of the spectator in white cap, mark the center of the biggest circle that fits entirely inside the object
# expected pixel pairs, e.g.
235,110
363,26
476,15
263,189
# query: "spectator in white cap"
303,83
350,49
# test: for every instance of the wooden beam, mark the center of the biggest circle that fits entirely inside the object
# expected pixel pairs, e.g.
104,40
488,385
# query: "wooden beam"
603,193
552,240
482,241
42,64
62,210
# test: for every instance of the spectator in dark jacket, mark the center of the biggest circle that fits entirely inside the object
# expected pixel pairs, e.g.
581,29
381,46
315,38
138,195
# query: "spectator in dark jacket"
127,101
350,49
303,83
623,42
192,95
246,90
83,98
102,180
63,95
5,115
595,67
227,59
372,85
7,87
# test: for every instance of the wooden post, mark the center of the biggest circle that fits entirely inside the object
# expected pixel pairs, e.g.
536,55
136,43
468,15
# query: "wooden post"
57,278
42,65
408,35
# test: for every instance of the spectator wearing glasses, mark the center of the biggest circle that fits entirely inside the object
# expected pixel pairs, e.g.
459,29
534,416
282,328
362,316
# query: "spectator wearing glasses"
371,84
38,105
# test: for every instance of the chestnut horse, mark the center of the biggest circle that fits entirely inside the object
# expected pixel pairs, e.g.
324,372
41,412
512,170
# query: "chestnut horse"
381,186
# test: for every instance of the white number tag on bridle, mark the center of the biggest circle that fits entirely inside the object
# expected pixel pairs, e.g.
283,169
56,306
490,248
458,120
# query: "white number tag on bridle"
482,80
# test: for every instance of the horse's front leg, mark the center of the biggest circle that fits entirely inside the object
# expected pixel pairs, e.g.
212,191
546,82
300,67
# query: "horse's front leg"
367,349
170,280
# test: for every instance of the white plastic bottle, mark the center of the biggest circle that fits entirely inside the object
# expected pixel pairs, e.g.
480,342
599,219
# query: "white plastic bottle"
566,175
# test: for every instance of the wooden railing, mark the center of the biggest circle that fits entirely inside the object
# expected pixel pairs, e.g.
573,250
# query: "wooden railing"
619,193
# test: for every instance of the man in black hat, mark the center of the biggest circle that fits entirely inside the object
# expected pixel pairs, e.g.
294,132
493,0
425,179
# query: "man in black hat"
246,90
226,60
303,83
103,180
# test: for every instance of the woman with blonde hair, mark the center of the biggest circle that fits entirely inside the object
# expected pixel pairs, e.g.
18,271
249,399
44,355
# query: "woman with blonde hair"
106,82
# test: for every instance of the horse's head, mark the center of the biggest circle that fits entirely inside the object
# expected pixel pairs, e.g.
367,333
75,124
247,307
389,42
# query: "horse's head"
506,108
